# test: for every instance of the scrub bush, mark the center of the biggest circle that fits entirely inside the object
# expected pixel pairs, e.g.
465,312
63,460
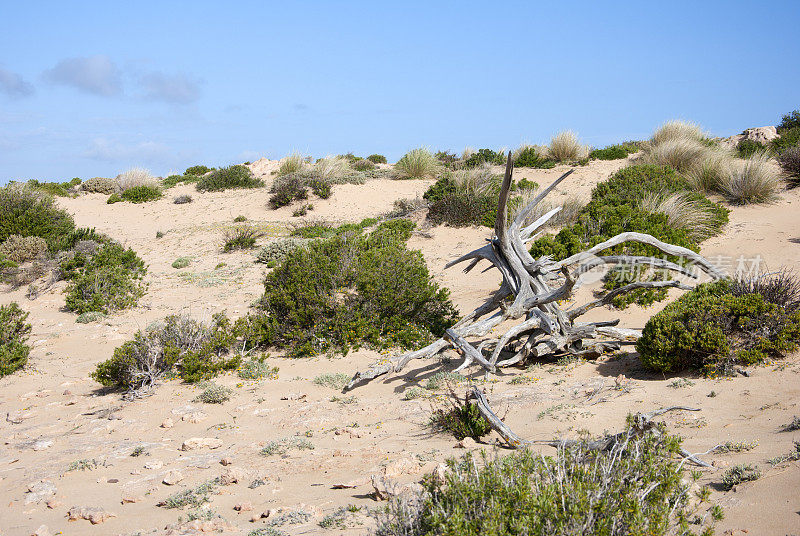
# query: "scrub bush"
107,280
14,333
613,152
279,249
377,158
484,156
197,170
725,323
634,487
790,164
288,188
349,290
533,157
142,194
192,350
100,185
237,176
19,249
24,211
240,238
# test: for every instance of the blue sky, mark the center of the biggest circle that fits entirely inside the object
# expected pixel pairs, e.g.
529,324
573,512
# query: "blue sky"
93,88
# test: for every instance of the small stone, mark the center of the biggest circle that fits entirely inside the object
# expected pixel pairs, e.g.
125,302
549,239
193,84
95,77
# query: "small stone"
132,496
201,442
39,491
195,417
226,461
232,475
112,480
245,506
440,473
71,402
168,423
403,466
52,504
153,465
172,478
467,443
41,531
92,514
66,392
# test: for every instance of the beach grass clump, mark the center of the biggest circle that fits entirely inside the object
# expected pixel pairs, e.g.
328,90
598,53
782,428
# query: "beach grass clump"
634,487
237,176
292,163
135,177
789,161
724,324
684,210
565,147
240,238
417,164
213,393
676,129
14,334
756,180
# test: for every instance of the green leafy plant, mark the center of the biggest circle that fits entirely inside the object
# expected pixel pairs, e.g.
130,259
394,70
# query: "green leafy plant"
110,279
257,369
287,188
789,122
114,198
747,148
739,474
25,211
142,194
240,238
460,418
613,152
718,325
213,393
197,170
533,157
377,158
14,333
277,250
181,262
237,176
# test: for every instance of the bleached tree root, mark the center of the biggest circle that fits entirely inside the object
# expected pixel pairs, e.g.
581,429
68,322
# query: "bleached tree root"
642,422
531,290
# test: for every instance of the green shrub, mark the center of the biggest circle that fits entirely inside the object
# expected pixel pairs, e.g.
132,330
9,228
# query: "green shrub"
181,262
142,194
789,138
722,324
332,380
287,188
192,350
463,209
108,280
14,333
19,249
789,121
237,176
320,187
613,152
350,290
462,419
442,188
174,180
747,148
484,156
61,189
531,157
197,170
25,211
91,316
256,369
635,487
114,198
738,474
377,158
182,199
240,238
100,185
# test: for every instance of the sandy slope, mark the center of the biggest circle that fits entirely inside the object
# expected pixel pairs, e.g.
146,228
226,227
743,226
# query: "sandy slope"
55,415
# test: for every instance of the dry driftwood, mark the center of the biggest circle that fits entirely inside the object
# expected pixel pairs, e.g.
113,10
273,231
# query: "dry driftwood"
643,422
530,291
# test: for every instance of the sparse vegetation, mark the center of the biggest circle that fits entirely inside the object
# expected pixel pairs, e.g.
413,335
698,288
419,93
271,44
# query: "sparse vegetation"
614,152
790,164
739,474
181,262
460,418
565,147
195,497
257,369
182,199
237,176
287,188
282,446
377,158
14,333
25,211
213,393
240,238
142,194
792,426
332,380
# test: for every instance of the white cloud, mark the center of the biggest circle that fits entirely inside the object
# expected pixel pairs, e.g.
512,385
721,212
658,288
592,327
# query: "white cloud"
172,88
111,151
94,74
13,85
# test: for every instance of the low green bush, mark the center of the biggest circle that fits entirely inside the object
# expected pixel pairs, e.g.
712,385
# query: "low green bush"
19,249
60,189
237,176
24,211
142,194
789,122
747,148
14,333
790,164
288,188
613,152
362,164
461,419
181,262
350,290
634,487
182,199
530,157
100,185
463,209
722,324
484,155
279,249
320,187
197,170
110,279
192,350
789,138
377,158
114,198
616,207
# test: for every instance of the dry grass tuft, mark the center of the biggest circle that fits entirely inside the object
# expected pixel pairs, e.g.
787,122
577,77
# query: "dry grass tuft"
677,130
135,177
477,180
332,168
681,154
565,146
291,163
756,180
683,211
707,174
